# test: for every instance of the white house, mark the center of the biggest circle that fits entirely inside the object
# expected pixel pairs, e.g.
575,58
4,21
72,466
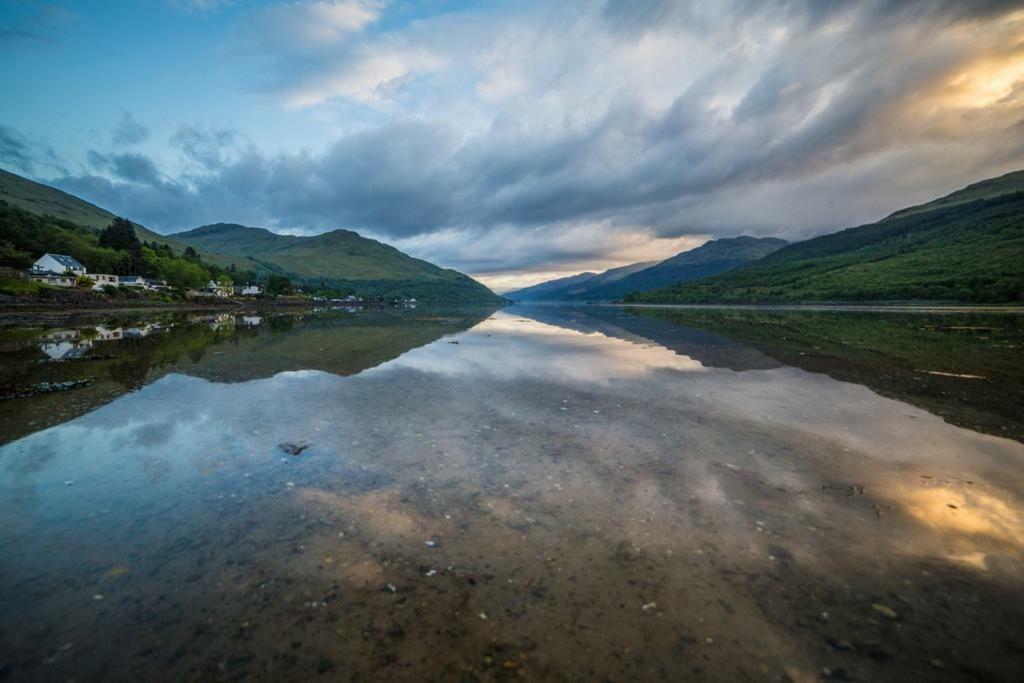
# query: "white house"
59,263
102,280
249,290
51,278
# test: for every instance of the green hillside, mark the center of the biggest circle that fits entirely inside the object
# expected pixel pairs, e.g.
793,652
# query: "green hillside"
44,200
341,260
710,258
985,189
965,248
568,287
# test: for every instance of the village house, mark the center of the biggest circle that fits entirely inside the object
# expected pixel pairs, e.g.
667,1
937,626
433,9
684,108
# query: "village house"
131,281
215,288
59,263
249,289
104,280
49,277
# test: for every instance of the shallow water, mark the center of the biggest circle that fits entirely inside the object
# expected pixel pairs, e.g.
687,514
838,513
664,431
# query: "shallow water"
545,493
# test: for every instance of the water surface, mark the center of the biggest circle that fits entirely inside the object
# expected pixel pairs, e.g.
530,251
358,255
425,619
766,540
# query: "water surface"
543,493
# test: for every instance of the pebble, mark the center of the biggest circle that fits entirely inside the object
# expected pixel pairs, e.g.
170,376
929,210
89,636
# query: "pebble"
98,597
885,611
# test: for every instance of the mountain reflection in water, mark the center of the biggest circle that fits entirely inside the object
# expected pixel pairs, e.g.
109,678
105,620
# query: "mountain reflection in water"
546,493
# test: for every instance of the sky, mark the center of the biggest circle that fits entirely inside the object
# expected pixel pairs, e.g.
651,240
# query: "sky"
515,141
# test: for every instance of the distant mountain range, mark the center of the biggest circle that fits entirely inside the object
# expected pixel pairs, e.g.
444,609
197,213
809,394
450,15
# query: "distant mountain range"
965,247
574,285
339,259
710,258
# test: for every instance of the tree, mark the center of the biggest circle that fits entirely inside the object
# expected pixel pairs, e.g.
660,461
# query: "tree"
13,257
120,234
191,254
278,285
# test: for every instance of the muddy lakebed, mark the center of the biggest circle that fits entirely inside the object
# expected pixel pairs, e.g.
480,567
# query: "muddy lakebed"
533,493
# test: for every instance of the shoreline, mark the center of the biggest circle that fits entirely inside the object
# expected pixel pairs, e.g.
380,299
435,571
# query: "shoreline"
19,313
923,307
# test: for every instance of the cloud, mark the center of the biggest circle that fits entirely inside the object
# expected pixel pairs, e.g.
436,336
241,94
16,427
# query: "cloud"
290,28
203,146
34,23
128,131
19,152
129,167
15,149
548,137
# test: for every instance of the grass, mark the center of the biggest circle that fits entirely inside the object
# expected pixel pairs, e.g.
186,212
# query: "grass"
967,252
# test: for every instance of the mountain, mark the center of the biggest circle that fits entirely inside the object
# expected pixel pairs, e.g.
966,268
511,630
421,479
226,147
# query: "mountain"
49,201
710,258
967,247
550,290
339,259
568,287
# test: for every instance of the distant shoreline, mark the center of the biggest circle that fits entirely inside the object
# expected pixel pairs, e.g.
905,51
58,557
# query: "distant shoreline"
923,307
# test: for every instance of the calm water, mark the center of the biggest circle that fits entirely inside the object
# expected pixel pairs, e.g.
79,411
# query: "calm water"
535,493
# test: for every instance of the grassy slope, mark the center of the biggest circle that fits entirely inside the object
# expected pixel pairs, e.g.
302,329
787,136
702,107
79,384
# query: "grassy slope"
550,290
711,258
45,200
967,251
340,253
985,189
342,259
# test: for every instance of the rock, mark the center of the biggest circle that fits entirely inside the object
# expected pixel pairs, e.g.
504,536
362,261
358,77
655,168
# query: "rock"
293,448
885,611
